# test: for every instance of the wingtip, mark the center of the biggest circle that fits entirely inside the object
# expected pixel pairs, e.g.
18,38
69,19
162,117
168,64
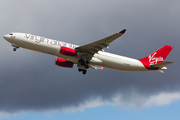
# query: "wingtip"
123,31
169,46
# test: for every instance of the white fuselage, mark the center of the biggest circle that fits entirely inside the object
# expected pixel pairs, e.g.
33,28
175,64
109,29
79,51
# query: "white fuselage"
52,47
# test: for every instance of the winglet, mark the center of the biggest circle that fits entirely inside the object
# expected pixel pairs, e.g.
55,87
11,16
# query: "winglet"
123,31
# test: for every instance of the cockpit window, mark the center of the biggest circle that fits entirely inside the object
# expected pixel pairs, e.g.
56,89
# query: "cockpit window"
10,34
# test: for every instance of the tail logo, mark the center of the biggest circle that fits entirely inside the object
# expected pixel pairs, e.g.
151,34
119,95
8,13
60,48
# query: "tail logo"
155,60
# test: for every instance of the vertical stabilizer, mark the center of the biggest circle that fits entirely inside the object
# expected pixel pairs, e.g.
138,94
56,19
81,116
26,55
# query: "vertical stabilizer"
156,58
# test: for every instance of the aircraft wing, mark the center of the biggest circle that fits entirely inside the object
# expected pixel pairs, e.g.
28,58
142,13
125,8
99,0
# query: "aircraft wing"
92,48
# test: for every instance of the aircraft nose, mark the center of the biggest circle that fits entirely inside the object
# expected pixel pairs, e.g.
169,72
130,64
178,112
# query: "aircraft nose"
5,36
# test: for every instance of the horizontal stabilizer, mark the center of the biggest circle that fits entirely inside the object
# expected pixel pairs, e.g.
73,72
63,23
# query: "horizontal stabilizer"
161,71
161,65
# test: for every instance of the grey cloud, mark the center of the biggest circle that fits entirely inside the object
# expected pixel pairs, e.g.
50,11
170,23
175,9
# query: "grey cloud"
31,81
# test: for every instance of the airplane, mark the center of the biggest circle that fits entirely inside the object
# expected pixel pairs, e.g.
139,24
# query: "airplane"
90,55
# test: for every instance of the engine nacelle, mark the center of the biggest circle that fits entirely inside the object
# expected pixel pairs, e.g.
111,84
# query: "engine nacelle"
64,63
68,51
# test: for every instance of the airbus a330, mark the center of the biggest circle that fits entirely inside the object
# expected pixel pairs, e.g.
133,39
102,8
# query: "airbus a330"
90,55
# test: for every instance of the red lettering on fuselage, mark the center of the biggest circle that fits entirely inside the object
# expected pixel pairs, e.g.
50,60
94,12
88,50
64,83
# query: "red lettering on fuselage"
46,40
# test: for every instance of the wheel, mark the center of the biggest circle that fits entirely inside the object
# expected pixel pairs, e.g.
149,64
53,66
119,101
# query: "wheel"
14,49
79,70
86,66
84,72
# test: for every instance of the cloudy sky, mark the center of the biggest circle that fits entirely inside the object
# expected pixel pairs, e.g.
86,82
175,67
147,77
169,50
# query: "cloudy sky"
32,87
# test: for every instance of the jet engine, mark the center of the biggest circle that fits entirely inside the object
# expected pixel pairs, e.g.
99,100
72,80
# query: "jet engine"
68,51
63,63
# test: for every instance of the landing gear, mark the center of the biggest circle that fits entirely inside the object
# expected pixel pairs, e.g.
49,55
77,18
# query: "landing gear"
83,71
83,65
79,70
86,66
14,49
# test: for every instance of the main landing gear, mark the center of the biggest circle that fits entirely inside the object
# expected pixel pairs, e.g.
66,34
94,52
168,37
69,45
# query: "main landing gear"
83,71
83,65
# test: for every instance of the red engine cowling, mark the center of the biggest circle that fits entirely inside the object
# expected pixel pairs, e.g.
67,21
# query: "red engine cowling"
64,63
68,51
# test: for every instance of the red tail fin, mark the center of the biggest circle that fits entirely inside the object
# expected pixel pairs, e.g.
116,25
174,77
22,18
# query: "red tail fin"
157,57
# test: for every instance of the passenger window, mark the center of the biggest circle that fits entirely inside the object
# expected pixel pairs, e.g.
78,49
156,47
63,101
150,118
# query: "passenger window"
10,34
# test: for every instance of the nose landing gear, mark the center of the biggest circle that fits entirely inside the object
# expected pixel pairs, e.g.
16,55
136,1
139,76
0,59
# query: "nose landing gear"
15,47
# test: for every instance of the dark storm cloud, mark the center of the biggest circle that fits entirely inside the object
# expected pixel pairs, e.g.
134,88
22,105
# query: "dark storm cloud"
31,81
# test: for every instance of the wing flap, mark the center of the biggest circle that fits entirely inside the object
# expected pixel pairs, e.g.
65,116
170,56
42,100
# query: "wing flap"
97,67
